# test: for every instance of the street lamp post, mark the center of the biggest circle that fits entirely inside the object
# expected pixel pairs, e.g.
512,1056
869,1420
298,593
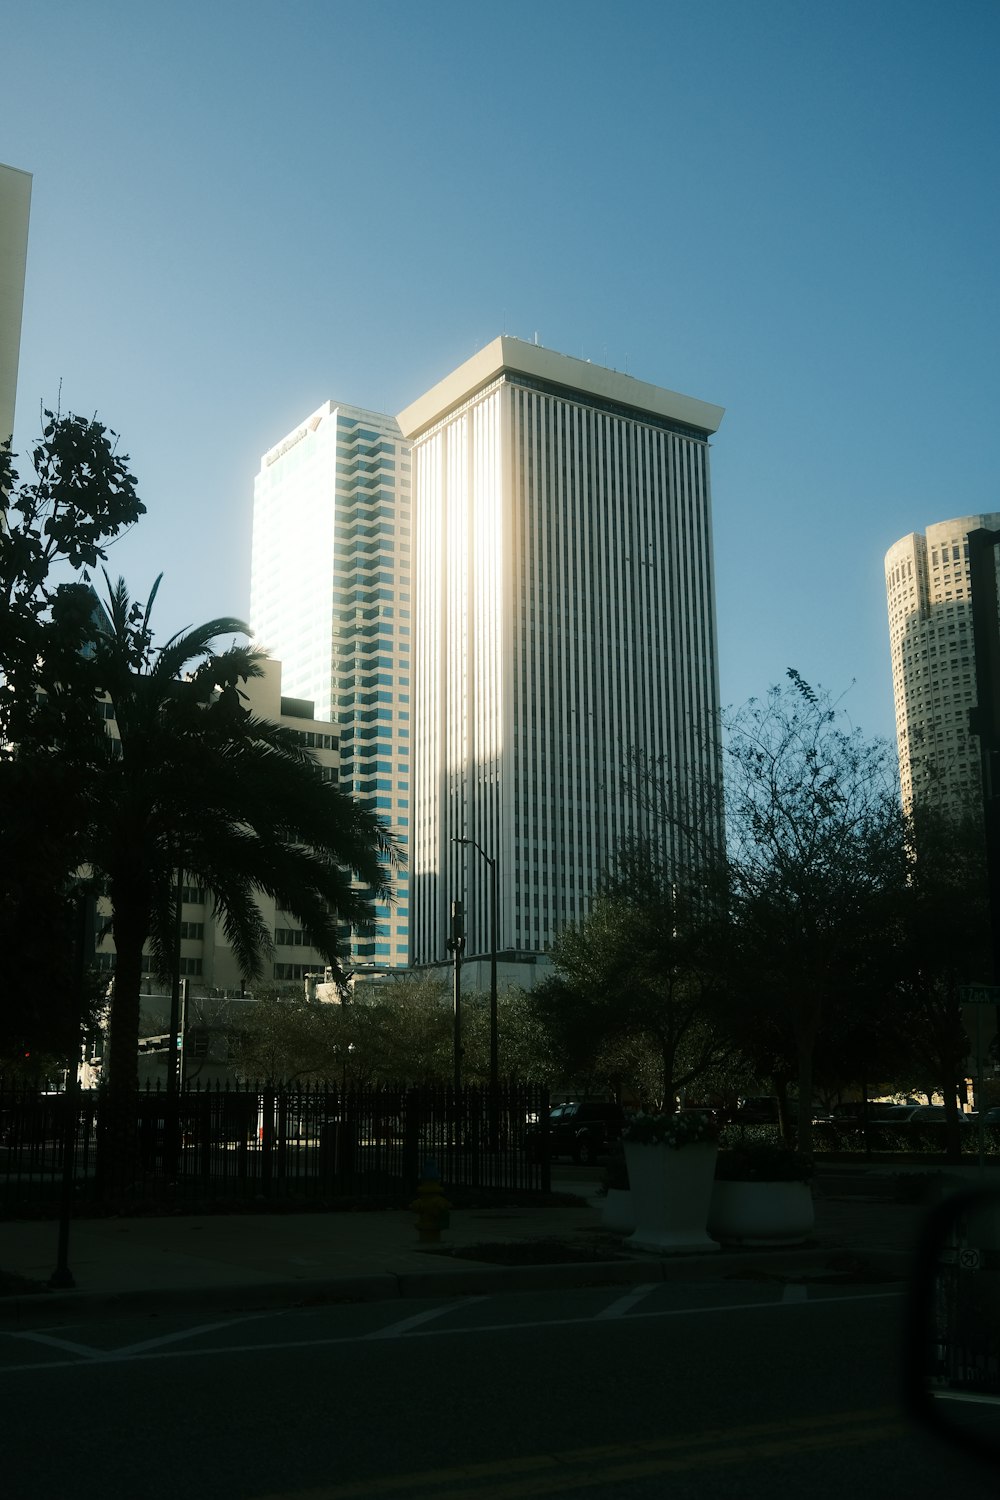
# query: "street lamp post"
83,954
175,986
494,1030
494,1039
456,945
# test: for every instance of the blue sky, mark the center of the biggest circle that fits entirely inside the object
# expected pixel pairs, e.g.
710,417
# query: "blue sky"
788,209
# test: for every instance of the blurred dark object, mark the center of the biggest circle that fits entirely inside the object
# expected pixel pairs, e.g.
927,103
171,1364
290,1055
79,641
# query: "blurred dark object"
952,1362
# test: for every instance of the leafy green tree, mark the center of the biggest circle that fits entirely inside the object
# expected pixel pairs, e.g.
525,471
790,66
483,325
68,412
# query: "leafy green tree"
192,780
940,941
284,1038
403,1032
802,889
80,497
395,1032
579,1054
391,1033
525,1053
814,831
640,971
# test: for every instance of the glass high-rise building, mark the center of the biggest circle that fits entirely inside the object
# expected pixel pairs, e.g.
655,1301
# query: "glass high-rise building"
565,620
933,661
330,597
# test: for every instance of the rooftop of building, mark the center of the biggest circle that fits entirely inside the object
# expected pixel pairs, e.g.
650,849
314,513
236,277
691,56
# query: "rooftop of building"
577,377
988,520
382,422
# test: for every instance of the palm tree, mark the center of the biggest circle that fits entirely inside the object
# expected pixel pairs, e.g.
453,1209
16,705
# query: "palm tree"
194,781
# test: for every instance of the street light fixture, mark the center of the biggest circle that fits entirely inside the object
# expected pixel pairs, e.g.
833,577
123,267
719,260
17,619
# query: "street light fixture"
494,1039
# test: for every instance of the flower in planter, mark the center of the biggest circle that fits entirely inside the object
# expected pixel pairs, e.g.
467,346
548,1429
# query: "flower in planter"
691,1127
763,1163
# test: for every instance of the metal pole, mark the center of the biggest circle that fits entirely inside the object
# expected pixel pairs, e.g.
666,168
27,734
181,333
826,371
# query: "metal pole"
458,1024
456,946
494,923
171,1133
494,1029
83,952
182,1035
175,990
494,1035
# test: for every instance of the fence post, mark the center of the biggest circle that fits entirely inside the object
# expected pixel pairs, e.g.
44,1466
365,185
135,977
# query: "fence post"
205,1123
267,1141
543,1116
281,1139
412,1120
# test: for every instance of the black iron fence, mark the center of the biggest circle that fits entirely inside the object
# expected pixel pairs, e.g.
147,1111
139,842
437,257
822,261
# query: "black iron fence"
315,1141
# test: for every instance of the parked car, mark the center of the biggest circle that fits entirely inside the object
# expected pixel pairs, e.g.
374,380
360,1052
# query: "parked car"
760,1109
934,1114
852,1114
582,1130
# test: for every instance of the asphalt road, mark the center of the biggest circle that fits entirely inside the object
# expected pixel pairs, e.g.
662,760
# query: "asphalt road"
734,1389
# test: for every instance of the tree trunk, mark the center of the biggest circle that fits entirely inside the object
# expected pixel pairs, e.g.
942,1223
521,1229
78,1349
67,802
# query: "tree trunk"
780,1085
952,1126
805,1044
118,1150
667,1052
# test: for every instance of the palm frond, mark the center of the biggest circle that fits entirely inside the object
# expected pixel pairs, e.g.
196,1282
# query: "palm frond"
193,643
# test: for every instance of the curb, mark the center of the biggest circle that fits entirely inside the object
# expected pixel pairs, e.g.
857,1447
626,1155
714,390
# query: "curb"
37,1307
788,1265
43,1306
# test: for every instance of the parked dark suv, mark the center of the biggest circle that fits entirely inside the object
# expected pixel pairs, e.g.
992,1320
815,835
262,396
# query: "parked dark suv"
582,1130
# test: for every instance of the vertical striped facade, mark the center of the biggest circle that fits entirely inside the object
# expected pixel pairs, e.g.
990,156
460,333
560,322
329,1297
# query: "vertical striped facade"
563,566
330,598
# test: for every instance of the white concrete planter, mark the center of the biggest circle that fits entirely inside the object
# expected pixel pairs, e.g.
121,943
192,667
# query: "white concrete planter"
671,1191
761,1213
616,1211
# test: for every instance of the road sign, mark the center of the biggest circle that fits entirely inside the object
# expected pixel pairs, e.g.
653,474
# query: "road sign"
979,994
969,1260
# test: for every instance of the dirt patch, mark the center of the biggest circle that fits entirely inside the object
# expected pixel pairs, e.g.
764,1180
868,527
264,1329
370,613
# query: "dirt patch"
839,1271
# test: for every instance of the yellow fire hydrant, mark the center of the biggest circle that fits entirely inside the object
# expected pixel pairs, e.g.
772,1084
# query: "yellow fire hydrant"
430,1206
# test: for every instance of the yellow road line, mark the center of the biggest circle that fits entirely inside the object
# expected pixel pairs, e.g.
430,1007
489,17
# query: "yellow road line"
582,1468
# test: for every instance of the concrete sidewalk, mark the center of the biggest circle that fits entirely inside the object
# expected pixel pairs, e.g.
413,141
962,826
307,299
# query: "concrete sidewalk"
234,1260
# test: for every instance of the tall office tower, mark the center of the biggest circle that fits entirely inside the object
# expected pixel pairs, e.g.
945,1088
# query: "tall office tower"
566,618
330,597
933,660
15,204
